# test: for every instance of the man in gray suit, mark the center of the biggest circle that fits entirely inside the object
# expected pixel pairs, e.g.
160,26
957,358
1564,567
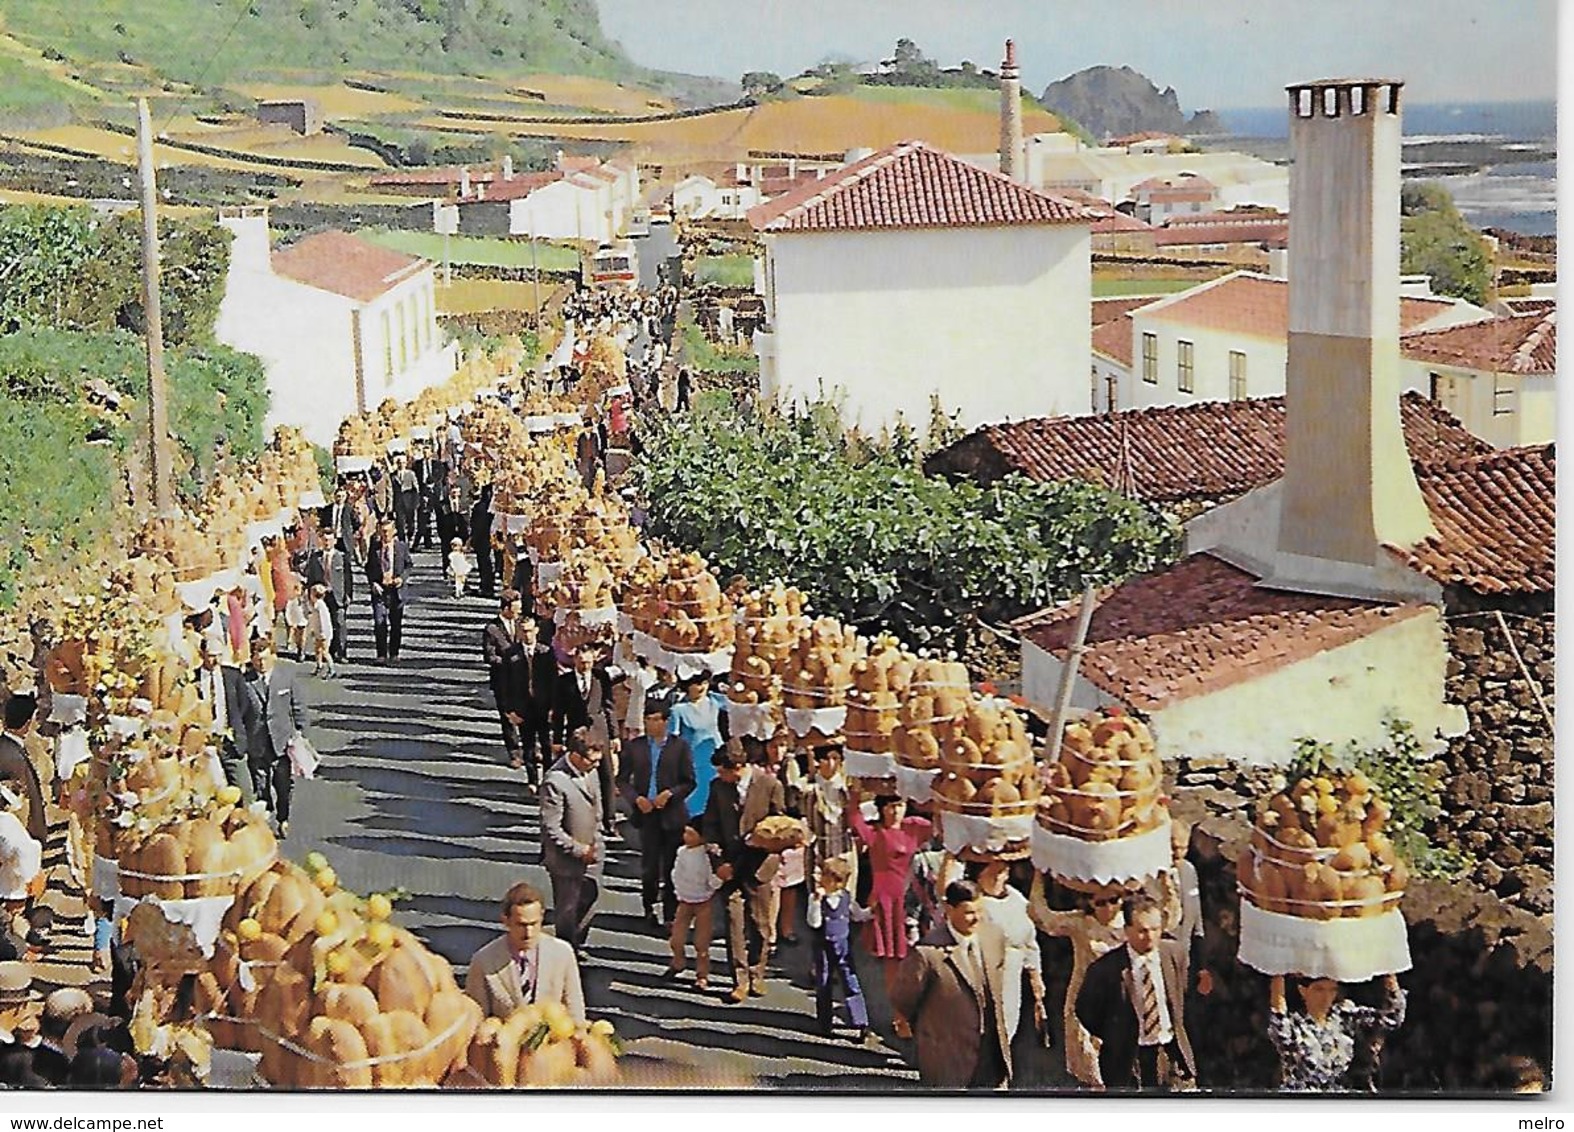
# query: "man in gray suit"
524,965
223,689
281,715
951,989
572,843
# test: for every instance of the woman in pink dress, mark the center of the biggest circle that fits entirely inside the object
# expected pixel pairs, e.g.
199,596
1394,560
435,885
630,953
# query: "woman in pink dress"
891,845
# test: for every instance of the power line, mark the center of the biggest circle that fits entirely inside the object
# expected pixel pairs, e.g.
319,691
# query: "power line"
245,9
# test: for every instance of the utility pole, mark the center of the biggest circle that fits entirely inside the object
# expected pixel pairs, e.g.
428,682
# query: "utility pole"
158,409
535,279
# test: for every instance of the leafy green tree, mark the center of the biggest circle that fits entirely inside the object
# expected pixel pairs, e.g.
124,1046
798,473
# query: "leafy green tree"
875,541
1436,241
757,84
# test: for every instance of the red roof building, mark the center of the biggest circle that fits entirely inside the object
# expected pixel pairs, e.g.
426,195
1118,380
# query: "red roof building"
1522,344
346,265
1259,306
911,185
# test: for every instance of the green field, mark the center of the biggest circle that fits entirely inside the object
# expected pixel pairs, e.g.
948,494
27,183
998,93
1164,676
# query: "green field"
478,250
725,270
1130,288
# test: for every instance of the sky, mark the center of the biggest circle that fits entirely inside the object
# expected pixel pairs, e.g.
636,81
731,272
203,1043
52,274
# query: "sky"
1220,54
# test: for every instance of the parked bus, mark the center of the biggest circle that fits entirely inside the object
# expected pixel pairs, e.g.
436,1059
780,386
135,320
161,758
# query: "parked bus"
612,265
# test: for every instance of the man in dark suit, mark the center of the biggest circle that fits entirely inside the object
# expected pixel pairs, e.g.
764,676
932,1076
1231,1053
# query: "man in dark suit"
223,688
1133,1001
481,542
340,520
280,716
743,872
406,498
582,697
327,566
503,651
388,568
426,470
572,846
16,766
655,778
951,989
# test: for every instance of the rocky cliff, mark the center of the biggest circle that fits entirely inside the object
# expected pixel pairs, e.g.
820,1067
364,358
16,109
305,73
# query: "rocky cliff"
1112,101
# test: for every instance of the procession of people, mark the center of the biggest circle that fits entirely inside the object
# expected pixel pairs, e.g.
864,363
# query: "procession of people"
620,754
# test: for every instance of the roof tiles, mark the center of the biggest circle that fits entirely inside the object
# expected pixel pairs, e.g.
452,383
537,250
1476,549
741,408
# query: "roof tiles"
1182,452
1257,305
1202,626
345,265
1524,344
910,185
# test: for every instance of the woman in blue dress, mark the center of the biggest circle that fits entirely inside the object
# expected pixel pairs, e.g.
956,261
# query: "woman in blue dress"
697,718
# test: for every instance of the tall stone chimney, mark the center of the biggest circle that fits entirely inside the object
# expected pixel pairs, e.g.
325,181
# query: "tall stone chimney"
1348,484
1010,114
1348,489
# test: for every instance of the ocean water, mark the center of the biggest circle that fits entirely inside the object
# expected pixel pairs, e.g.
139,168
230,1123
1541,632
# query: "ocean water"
1514,194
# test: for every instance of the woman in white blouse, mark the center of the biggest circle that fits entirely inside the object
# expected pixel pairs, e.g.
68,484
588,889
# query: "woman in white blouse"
1007,909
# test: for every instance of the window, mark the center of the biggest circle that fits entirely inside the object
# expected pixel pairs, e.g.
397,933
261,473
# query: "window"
1094,406
1113,392
388,370
1237,375
1150,358
1442,389
1505,394
404,342
1185,368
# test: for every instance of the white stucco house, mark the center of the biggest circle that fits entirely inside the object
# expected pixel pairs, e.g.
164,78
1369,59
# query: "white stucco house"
339,323
1499,377
1059,163
911,275
1227,339
699,197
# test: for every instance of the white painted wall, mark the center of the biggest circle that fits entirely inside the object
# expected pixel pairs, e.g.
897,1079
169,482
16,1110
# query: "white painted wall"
698,196
993,320
563,210
1469,395
305,338
1265,362
1342,695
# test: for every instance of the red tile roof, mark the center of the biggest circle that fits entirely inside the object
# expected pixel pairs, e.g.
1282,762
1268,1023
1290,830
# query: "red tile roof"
1199,627
1257,305
345,265
1524,344
1113,340
1169,186
1176,452
1496,520
1234,231
437,175
522,185
911,185
1105,311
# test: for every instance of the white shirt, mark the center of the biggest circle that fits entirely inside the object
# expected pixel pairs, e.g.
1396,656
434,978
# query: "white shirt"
1148,967
693,880
21,857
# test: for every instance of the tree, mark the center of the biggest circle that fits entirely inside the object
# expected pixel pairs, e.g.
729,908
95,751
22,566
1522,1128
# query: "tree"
757,84
1436,241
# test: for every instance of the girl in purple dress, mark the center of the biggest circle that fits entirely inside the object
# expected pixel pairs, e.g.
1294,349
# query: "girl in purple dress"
891,845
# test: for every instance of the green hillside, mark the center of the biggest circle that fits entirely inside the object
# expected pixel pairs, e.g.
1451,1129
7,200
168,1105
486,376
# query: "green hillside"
214,42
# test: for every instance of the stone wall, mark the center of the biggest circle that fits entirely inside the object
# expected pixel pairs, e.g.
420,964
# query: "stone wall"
1481,985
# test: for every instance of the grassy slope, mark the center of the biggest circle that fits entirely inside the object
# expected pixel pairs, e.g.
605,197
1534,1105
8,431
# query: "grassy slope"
213,44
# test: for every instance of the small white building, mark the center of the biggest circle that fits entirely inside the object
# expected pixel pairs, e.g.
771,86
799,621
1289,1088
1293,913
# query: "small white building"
1058,162
911,275
1228,339
700,198
1499,377
339,323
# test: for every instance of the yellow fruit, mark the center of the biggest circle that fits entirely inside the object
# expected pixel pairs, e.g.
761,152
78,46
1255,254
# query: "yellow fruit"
338,962
378,907
602,1027
326,924
248,930
315,861
228,795
326,879
380,935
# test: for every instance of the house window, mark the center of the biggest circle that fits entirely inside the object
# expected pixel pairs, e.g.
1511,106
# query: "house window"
1150,358
1112,392
388,370
1442,387
1094,406
404,342
1185,368
1505,394
1237,375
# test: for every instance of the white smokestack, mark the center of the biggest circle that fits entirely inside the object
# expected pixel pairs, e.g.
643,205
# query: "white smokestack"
1010,114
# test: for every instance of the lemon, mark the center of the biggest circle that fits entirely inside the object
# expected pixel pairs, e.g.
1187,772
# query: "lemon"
327,923
326,879
315,862
338,962
248,930
378,906
229,795
380,935
601,1027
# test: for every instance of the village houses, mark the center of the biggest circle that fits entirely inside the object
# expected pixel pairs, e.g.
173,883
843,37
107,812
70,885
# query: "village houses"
339,323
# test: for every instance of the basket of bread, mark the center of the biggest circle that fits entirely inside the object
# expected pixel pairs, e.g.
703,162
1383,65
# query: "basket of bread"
880,684
1321,882
541,1047
1103,817
817,679
988,785
935,700
769,622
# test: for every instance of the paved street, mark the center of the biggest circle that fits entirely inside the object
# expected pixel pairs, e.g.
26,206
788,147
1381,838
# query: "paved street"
414,794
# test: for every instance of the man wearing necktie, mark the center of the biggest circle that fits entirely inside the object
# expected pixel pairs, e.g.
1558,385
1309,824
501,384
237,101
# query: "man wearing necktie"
223,688
1133,1001
655,778
387,569
951,988
524,965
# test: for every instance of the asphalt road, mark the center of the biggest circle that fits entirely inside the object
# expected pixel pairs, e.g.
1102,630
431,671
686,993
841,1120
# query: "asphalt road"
415,793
